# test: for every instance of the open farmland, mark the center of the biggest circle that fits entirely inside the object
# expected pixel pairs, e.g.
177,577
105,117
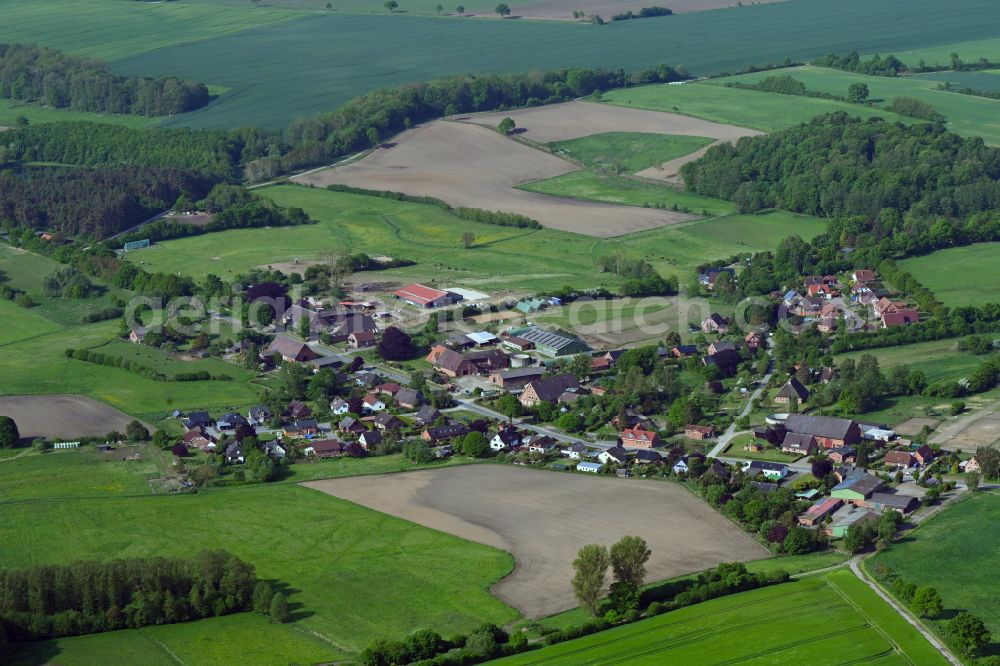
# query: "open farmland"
53,416
936,271
949,552
332,555
966,114
539,517
834,619
938,359
516,258
22,323
296,69
471,166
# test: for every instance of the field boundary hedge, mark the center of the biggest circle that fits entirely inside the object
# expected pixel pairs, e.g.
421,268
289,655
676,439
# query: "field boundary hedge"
110,361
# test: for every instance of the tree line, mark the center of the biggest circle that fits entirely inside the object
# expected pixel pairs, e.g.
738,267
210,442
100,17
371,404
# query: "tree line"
47,76
839,165
49,601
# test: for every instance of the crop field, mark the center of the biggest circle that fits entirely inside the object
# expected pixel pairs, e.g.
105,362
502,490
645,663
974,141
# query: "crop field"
62,416
471,166
936,271
938,359
517,258
630,151
334,557
536,516
590,186
967,115
39,366
949,552
825,620
298,70
210,642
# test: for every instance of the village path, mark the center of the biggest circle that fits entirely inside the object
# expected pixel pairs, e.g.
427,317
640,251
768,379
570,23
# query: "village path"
730,432
542,430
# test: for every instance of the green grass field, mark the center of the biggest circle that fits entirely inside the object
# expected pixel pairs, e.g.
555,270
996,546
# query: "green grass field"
22,323
590,186
833,619
163,362
352,573
11,110
631,151
950,552
503,257
936,271
940,54
307,62
938,359
967,115
748,108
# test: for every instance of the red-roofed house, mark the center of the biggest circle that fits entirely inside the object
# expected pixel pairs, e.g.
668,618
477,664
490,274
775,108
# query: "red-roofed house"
863,275
426,297
819,511
900,317
639,438
692,431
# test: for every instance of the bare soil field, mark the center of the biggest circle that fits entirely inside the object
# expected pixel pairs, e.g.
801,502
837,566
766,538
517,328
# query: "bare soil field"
913,427
543,518
560,9
472,166
572,120
979,428
62,416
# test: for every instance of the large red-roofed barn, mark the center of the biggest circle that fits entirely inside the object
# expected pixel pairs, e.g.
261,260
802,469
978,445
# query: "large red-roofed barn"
426,297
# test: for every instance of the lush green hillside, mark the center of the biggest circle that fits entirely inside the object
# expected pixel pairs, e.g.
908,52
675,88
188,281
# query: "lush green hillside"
835,619
967,275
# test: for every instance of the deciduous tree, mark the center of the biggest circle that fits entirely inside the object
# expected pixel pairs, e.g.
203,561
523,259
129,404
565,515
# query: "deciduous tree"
9,436
590,570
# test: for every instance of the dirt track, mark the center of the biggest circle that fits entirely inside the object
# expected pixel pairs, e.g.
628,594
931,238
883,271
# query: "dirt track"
543,518
62,416
468,165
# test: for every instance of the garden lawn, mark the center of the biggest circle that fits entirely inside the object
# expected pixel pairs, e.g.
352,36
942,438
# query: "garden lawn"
967,115
822,620
352,574
736,450
590,186
763,111
629,151
937,271
951,552
82,472
938,359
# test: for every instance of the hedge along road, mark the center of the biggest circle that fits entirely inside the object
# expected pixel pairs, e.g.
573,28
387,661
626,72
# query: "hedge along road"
315,63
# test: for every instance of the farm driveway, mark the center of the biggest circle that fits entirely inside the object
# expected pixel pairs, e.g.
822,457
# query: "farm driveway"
62,416
471,166
543,518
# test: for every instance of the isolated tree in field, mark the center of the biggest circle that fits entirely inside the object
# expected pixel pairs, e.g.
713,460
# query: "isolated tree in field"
468,238
506,125
439,8
9,436
970,632
391,5
628,559
590,569
927,602
329,6
395,345
502,9
857,92
338,266
460,9
279,609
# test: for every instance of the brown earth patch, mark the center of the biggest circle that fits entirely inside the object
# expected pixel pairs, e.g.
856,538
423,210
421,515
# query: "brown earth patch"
543,518
62,416
471,166
914,426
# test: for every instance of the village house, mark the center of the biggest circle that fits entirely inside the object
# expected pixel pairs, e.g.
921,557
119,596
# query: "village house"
325,448
891,501
505,438
291,351
845,518
516,379
444,433
542,444
427,414
863,275
842,454
351,426
711,276
924,454
639,438
234,454
898,459
589,467
387,421
685,463
426,297
715,323
298,410
576,451
516,343
409,398
829,431
572,394
970,465
487,360
684,351
370,439
274,450
771,471
301,428
230,421
546,390
450,362
818,512
900,317
754,341
138,334
372,403
648,457
339,406
792,391
259,415
694,431
856,489
615,455
199,439
361,340
799,444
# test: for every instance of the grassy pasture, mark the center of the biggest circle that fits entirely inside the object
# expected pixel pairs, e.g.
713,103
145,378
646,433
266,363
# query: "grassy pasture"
22,323
10,110
308,62
940,54
162,361
949,552
633,151
936,271
826,620
628,192
938,359
763,111
334,556
513,258
967,115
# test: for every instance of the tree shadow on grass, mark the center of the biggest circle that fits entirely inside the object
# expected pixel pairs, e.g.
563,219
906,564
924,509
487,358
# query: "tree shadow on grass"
296,609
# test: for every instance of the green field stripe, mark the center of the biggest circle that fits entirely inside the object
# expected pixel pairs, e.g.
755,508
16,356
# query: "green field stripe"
872,622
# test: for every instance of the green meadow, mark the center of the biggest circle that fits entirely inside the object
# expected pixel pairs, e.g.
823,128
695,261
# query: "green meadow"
936,271
11,110
938,359
501,258
950,552
940,54
350,573
627,151
22,323
967,115
832,619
